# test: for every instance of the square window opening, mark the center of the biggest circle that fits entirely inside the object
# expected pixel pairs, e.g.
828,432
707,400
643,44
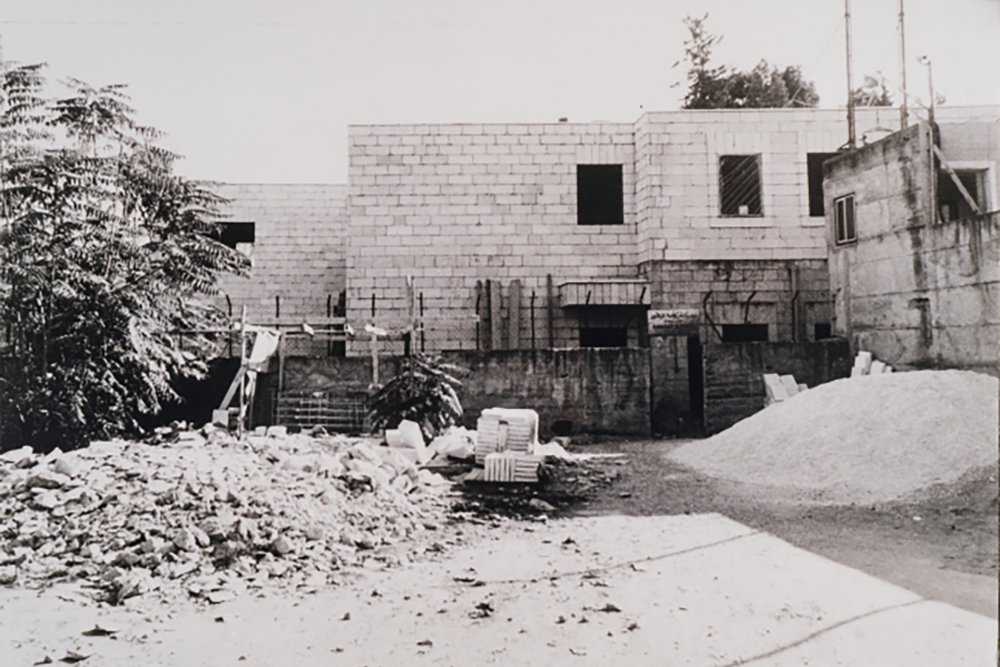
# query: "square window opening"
952,204
235,234
822,330
814,176
844,220
599,194
739,185
603,337
744,333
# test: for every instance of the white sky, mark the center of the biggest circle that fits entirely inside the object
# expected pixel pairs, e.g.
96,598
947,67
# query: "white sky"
263,90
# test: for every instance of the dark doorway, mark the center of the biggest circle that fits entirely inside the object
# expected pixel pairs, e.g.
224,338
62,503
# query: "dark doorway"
696,382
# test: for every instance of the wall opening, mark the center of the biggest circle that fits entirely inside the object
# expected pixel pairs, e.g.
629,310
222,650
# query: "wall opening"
952,205
814,175
822,330
739,185
603,336
599,194
744,333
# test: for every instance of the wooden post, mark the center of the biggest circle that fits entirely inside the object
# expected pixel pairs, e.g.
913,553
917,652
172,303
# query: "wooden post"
496,323
243,375
550,297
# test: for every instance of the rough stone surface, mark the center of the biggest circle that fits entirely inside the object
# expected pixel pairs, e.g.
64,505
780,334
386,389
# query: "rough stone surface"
206,512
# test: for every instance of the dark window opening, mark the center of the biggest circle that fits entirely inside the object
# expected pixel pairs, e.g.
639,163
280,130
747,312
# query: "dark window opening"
231,233
744,333
822,330
844,219
814,174
951,203
599,197
739,184
603,337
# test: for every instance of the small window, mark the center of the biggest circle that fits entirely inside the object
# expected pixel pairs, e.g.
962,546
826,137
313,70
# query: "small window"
844,219
739,185
822,330
599,198
814,174
235,233
951,202
744,333
603,337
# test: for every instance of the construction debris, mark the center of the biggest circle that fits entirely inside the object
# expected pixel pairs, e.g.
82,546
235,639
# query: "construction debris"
866,364
208,513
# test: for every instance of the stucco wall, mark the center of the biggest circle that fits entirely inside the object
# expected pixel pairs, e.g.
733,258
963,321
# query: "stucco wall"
598,391
917,294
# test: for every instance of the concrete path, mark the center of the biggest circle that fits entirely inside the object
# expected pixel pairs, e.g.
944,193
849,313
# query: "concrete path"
671,590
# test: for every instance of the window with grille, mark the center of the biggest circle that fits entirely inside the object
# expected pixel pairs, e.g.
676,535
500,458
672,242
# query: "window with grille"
739,185
844,219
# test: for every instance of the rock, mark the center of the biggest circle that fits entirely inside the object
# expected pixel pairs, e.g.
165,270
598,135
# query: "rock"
63,466
541,505
281,546
47,479
185,540
8,575
200,536
277,431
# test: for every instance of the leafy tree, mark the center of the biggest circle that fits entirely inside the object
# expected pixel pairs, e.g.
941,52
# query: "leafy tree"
104,252
423,392
764,86
874,93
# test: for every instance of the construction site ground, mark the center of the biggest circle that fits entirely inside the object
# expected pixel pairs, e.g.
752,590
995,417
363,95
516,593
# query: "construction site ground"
639,560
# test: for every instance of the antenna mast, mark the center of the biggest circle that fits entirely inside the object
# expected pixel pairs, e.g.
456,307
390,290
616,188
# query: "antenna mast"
903,112
851,133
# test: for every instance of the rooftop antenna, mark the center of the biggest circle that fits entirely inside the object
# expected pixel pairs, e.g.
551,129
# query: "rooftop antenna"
903,112
851,134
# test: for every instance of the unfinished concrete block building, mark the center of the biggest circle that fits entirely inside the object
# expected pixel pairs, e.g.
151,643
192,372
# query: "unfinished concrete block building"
676,233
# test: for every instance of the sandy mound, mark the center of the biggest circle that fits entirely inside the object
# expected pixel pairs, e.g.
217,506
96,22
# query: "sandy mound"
865,439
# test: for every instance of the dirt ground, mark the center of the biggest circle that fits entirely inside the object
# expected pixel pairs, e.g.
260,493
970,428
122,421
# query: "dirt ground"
943,548
635,560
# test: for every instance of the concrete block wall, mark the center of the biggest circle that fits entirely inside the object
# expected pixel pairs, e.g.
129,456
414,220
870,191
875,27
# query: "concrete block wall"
768,286
677,181
734,387
918,294
299,252
455,204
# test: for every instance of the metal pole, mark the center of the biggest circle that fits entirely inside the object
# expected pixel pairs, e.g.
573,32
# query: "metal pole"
931,171
851,132
903,111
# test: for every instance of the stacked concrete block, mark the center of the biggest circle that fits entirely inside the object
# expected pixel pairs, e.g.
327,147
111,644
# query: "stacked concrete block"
299,259
455,204
790,296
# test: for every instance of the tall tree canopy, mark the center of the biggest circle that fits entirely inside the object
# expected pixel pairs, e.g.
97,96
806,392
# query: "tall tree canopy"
105,253
721,87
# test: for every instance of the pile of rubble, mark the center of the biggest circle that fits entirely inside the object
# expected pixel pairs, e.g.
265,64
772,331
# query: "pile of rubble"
210,513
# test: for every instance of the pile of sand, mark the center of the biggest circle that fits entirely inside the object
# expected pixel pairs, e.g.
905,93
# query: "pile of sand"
864,439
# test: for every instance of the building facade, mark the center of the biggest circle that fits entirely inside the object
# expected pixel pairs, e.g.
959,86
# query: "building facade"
914,239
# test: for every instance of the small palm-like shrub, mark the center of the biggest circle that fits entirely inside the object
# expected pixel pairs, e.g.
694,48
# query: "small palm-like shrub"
423,392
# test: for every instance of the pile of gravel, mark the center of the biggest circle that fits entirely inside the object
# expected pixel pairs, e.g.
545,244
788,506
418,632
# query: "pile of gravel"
862,440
